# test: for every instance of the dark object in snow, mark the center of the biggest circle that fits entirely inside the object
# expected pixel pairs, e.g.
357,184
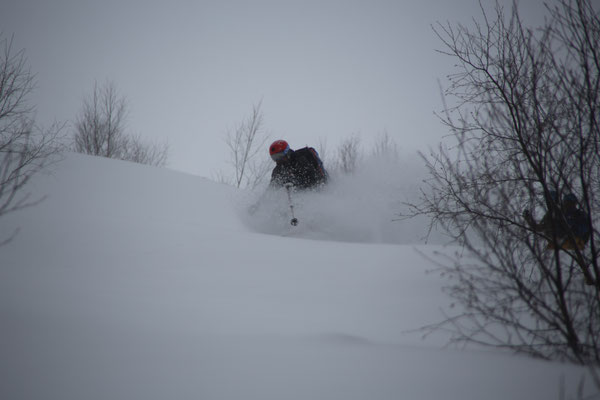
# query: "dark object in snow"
302,168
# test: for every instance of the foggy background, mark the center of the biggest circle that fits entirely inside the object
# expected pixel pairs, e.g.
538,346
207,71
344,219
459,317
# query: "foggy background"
192,70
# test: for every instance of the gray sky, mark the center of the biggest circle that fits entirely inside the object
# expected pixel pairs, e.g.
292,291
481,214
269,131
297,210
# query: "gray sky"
191,70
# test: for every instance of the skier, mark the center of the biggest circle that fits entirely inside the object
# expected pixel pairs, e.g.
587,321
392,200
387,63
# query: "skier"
302,168
566,222
567,227
577,222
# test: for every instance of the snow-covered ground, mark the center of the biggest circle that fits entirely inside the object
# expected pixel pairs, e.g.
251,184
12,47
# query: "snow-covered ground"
132,282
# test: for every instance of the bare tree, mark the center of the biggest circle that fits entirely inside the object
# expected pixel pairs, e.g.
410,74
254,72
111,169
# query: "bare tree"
245,143
385,146
24,148
526,126
137,150
348,154
100,126
100,130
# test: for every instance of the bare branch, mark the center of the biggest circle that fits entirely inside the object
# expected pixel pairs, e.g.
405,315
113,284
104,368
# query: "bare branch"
245,144
527,103
24,148
100,130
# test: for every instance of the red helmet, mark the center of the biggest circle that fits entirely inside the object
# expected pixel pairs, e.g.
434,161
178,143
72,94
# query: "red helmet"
279,149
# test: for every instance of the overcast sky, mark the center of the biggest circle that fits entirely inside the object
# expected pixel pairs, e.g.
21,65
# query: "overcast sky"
193,69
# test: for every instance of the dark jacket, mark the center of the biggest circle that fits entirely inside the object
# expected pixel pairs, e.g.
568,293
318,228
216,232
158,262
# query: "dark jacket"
551,224
566,225
302,168
578,223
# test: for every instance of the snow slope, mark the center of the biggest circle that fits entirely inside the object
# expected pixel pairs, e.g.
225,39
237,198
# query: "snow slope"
132,282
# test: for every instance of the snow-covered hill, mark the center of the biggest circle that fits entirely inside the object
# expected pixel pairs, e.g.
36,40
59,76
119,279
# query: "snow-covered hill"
131,282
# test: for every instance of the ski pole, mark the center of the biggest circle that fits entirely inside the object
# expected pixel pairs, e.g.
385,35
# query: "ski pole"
294,220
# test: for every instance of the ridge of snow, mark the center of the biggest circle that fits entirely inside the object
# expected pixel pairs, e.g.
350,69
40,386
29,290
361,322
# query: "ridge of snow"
132,282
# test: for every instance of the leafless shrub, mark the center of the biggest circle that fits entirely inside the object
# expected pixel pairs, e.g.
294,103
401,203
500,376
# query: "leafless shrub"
100,130
100,126
143,152
525,126
384,146
25,149
245,143
348,155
